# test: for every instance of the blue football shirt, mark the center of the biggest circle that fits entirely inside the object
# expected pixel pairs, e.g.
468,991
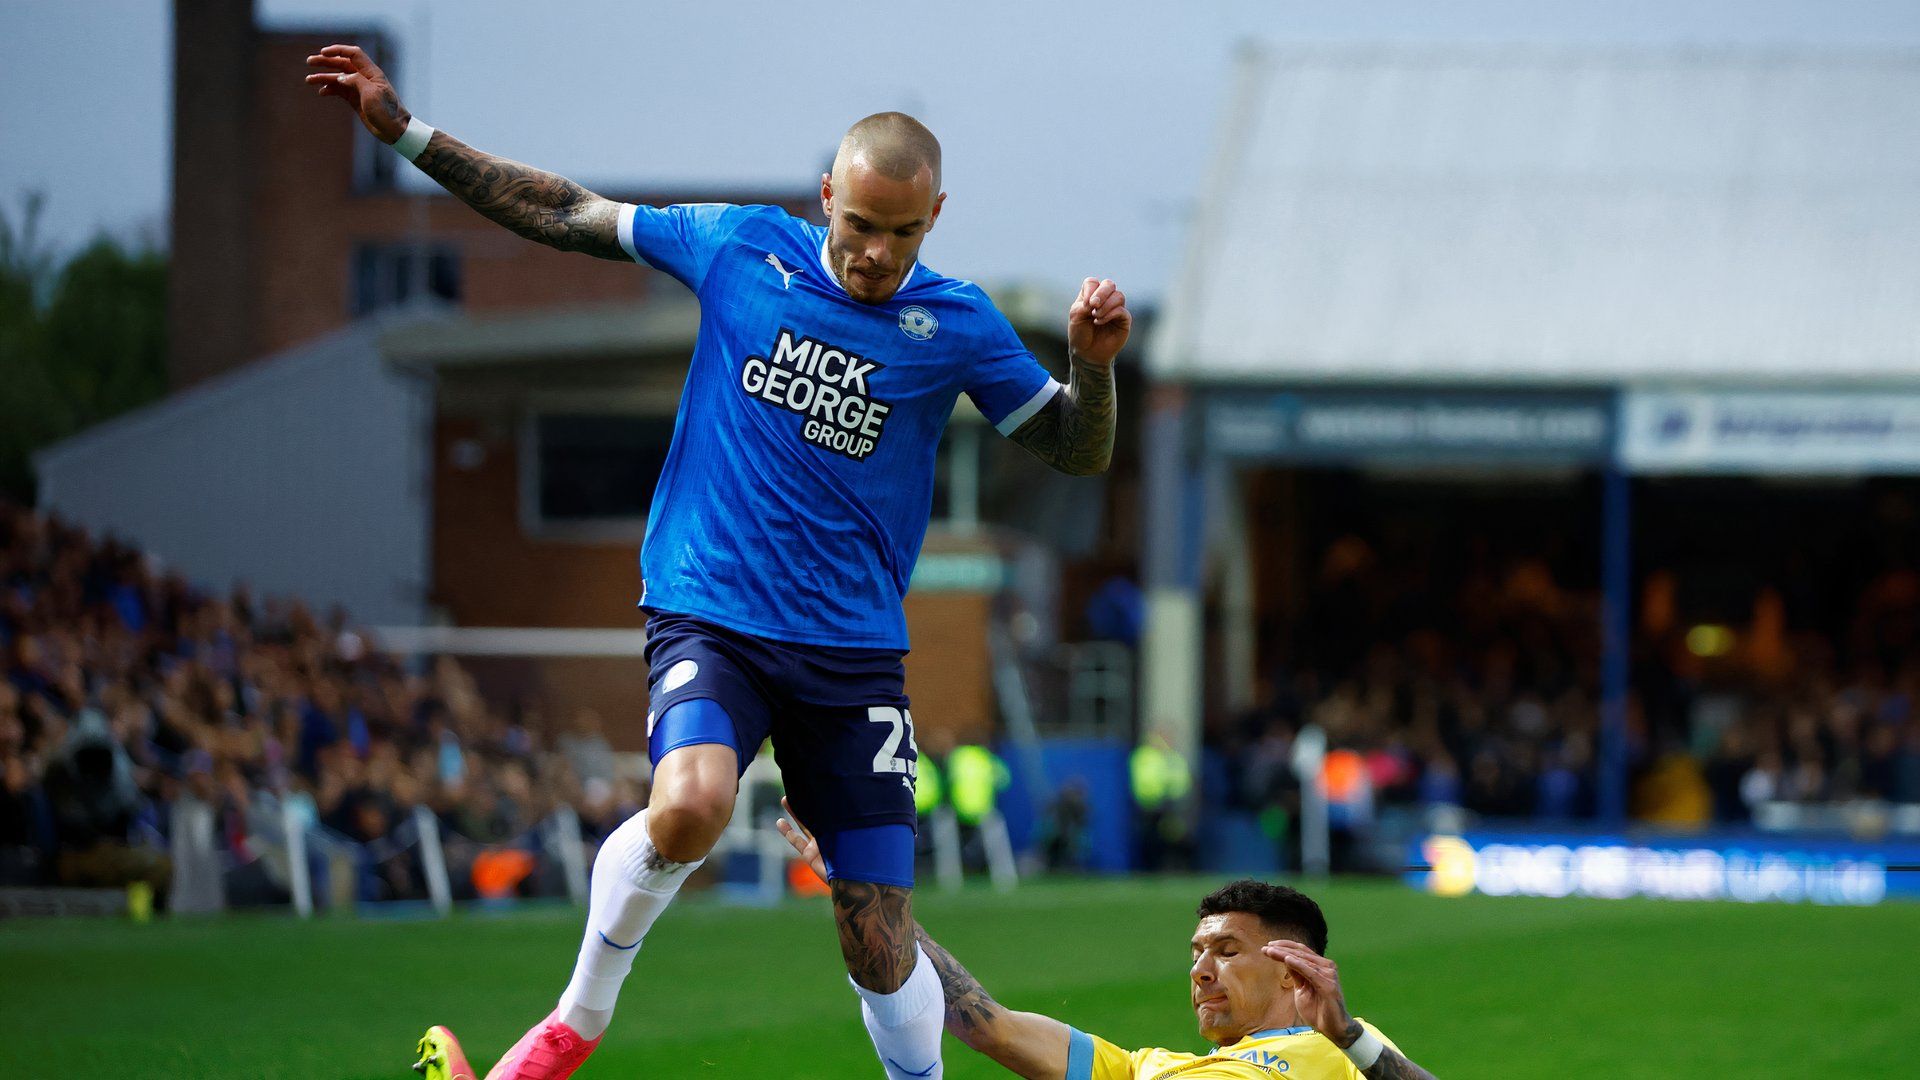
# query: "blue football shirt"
797,488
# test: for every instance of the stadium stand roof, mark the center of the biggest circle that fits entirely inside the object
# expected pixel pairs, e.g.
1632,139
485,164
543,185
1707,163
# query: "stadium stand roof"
1557,216
299,473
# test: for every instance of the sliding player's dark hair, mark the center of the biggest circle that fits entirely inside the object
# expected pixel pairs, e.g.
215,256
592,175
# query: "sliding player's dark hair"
1280,907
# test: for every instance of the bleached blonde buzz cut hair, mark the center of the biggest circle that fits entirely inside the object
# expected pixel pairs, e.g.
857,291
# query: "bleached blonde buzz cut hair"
893,144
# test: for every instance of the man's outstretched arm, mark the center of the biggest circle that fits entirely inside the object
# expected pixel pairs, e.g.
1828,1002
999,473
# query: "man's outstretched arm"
1032,1045
538,205
1074,432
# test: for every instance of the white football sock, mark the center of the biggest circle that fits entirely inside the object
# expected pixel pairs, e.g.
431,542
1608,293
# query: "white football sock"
906,1024
631,886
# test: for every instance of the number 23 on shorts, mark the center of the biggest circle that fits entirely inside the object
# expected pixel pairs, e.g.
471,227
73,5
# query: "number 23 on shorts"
899,722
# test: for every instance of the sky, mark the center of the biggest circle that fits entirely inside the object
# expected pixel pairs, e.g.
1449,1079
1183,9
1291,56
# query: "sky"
1075,135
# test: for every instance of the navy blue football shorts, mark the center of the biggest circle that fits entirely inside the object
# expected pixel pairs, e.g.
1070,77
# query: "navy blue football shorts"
842,735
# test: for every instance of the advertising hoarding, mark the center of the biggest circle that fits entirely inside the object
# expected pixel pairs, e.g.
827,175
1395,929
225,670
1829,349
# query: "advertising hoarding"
1848,432
1747,867
1345,426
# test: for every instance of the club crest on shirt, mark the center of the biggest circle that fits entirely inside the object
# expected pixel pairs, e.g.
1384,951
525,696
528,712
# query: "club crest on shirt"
825,384
918,323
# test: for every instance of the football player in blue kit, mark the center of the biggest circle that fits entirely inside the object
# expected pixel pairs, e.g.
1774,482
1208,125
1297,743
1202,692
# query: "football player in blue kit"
784,529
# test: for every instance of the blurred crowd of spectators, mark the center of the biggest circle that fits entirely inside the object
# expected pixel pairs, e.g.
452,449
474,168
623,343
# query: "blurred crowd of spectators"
1486,696
123,688
125,694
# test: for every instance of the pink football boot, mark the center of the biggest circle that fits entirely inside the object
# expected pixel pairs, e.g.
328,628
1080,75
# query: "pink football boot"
551,1051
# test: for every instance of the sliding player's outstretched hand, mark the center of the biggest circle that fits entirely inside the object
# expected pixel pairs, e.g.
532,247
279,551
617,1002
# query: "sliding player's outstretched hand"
802,840
345,72
1098,322
1316,989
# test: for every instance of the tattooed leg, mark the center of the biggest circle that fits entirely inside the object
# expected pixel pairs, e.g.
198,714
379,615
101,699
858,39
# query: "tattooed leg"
898,987
876,933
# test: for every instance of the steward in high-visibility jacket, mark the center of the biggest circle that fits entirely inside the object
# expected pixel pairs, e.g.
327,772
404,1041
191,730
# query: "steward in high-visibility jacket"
1160,780
976,778
928,789
1160,775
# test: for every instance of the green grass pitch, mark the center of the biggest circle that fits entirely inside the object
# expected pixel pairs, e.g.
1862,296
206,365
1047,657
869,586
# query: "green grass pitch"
1472,987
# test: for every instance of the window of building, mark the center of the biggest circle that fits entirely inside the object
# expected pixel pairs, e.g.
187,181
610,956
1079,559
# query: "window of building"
596,471
389,275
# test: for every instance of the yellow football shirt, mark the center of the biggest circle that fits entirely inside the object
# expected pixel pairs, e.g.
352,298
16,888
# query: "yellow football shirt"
1298,1053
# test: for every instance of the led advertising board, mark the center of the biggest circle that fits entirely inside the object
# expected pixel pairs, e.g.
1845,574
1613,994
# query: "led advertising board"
1710,866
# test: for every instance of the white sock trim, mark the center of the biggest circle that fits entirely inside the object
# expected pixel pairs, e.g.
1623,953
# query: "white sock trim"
919,993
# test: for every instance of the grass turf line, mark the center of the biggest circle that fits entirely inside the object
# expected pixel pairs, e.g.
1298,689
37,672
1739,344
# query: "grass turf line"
1469,987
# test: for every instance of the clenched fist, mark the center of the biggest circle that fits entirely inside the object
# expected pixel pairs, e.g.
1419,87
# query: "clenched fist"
1098,322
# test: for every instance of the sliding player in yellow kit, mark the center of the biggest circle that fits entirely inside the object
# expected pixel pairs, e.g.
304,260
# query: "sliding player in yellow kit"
1265,996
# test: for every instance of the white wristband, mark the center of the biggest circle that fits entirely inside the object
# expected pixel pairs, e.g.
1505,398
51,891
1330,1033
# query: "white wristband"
1365,1050
413,140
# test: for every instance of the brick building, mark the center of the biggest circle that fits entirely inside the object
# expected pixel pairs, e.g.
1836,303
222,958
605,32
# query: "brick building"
288,220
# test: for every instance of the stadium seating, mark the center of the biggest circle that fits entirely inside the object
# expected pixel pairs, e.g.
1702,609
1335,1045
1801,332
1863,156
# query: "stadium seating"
129,693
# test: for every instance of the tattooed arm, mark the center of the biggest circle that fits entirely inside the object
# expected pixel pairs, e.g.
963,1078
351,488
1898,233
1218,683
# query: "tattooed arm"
538,205
1391,1064
1074,432
1029,1044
